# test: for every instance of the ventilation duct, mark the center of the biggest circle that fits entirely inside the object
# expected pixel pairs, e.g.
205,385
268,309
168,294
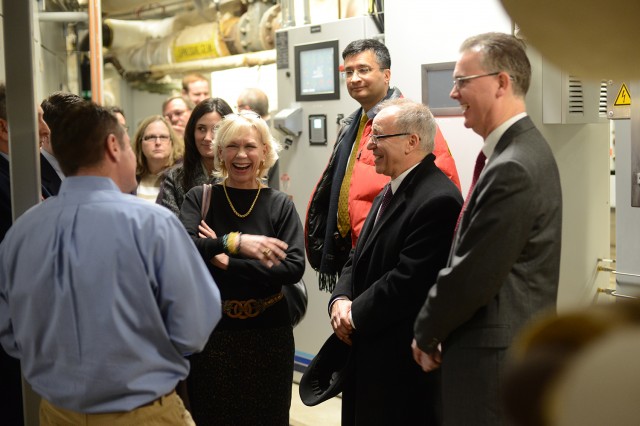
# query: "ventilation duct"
141,46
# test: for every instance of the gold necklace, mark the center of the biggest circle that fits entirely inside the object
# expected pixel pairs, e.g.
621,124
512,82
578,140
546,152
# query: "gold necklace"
241,216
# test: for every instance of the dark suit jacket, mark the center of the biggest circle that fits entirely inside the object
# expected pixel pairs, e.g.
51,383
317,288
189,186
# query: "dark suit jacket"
388,276
10,378
49,178
503,270
5,198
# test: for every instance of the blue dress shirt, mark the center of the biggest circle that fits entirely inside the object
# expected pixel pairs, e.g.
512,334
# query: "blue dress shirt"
101,296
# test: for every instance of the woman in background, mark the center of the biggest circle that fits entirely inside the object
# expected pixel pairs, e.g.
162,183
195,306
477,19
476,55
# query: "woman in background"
244,374
156,147
197,166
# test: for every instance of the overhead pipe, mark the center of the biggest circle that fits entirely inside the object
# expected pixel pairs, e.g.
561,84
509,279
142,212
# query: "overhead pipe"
288,14
230,35
252,59
63,16
307,12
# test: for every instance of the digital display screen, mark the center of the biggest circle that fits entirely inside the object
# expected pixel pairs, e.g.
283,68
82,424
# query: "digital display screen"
317,71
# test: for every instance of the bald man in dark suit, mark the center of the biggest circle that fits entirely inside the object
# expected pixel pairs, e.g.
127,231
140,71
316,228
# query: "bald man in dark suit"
404,242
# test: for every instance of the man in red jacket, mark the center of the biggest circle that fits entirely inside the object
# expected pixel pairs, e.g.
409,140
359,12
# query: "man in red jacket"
343,196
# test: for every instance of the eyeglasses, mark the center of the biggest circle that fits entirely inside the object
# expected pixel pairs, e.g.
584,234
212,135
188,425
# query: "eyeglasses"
176,113
375,139
459,82
163,138
361,72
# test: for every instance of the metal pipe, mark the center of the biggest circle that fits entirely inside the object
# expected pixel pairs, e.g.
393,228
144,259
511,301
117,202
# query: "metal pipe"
614,293
613,271
288,14
63,16
307,12
208,65
95,50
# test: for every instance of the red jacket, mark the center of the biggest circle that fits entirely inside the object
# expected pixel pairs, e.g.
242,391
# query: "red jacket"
327,251
366,183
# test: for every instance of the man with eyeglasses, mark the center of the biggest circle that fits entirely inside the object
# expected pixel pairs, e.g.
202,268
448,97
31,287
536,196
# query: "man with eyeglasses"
177,110
404,242
505,262
343,196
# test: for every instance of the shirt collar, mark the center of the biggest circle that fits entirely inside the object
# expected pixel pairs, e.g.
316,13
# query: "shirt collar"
492,140
395,183
4,155
53,161
90,183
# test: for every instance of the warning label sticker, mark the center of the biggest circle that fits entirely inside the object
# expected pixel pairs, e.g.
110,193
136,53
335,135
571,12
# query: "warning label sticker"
623,98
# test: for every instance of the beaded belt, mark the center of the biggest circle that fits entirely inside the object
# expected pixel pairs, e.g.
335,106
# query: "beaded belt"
243,309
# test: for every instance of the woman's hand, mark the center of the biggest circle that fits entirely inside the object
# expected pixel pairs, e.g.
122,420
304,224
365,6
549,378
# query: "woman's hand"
206,231
220,260
269,251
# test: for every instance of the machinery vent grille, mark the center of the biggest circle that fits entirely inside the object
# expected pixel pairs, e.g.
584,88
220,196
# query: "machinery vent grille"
576,97
602,105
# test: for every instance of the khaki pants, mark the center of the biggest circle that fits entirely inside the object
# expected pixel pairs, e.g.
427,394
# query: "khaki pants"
167,410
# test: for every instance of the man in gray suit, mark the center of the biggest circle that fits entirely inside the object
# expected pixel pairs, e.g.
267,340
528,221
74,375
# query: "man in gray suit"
505,261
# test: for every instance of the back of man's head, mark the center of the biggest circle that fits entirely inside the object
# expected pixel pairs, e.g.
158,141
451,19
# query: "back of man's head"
83,131
55,106
254,99
358,46
503,52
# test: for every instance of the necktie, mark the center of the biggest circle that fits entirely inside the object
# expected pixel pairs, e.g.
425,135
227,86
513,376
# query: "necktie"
386,199
344,224
476,174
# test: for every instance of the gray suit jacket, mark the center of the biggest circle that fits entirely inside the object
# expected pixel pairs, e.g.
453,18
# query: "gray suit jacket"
503,269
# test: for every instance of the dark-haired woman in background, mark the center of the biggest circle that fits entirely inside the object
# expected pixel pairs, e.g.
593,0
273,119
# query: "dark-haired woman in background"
197,166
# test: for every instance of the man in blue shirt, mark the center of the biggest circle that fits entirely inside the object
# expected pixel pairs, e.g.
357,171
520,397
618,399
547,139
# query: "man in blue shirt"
103,294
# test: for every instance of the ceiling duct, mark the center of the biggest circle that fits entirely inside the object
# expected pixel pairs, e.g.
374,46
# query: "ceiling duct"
143,45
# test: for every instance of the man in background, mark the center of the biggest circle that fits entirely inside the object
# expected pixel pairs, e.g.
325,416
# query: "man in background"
10,379
177,110
119,113
404,242
343,196
118,296
257,101
54,108
195,88
505,262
